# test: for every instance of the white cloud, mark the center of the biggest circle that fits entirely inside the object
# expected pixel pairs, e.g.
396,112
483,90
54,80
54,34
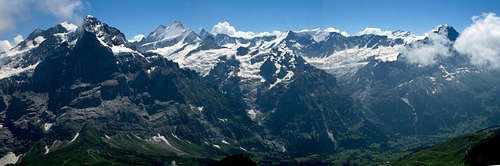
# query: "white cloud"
14,11
11,11
331,29
374,31
64,9
137,38
226,28
427,53
481,41
5,45
18,39
223,28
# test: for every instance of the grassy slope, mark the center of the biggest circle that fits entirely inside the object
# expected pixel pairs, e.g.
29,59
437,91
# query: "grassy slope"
92,148
449,152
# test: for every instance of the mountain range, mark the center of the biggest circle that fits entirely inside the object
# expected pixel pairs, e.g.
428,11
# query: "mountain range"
186,97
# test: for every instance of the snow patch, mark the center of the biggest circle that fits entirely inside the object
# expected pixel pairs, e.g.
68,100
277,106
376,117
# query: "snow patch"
223,120
199,109
9,158
433,79
252,113
285,79
122,49
116,49
30,44
175,136
225,142
247,70
349,60
202,61
62,36
151,70
47,126
330,136
447,75
68,26
160,138
47,150
405,100
75,137
8,71
39,39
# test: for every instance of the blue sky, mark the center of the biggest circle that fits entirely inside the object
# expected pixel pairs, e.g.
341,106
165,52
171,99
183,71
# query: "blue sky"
136,17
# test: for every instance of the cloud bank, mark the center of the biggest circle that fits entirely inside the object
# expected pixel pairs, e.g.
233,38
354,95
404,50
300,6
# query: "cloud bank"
13,12
375,31
428,53
5,45
226,28
481,41
137,38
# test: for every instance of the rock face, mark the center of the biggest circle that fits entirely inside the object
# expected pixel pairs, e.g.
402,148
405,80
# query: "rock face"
296,93
126,92
412,99
289,79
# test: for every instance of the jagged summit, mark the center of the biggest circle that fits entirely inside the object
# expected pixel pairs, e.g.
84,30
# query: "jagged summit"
162,32
402,33
164,36
177,24
447,30
204,33
90,20
109,36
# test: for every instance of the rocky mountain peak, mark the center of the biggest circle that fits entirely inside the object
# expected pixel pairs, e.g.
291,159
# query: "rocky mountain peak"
110,36
177,24
447,30
164,33
164,36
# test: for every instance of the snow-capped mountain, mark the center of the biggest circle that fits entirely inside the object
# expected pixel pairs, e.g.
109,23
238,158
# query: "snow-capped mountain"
325,49
108,36
91,74
28,54
424,94
167,37
317,91
253,68
446,30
